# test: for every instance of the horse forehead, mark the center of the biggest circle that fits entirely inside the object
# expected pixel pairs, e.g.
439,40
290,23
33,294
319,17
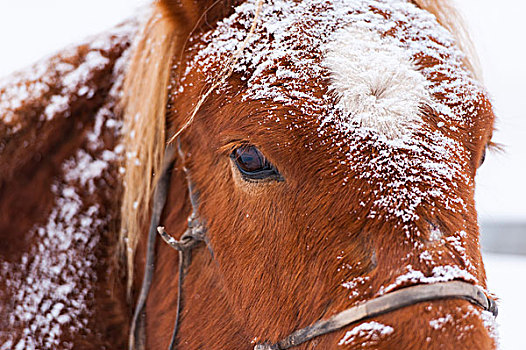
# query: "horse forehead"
352,66
377,89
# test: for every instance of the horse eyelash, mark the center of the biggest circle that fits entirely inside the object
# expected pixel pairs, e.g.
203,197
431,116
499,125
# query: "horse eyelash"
496,147
232,145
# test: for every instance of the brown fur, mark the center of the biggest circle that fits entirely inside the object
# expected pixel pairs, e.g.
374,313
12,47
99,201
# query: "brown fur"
256,287
270,266
274,292
189,14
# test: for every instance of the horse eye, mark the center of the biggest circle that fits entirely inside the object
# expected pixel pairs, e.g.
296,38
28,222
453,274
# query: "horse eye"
253,165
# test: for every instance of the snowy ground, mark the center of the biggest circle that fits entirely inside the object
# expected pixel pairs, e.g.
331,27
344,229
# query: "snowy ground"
30,29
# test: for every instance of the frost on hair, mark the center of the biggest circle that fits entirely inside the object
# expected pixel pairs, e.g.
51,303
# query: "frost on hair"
295,59
376,83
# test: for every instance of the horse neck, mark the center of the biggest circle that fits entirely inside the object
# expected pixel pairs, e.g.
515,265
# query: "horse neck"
58,210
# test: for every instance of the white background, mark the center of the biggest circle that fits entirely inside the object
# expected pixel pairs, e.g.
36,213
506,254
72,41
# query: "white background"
499,32
30,29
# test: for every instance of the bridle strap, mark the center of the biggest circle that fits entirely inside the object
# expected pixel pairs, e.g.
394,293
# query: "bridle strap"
137,338
384,304
193,235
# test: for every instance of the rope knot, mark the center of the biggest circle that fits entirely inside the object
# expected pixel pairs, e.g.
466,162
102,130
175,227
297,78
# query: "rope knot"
192,236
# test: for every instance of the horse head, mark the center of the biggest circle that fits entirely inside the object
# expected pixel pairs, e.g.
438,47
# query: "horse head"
331,147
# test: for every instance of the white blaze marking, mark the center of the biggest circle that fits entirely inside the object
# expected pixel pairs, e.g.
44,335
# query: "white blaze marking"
376,82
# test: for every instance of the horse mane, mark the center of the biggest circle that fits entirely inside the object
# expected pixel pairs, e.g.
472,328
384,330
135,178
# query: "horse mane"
144,104
145,95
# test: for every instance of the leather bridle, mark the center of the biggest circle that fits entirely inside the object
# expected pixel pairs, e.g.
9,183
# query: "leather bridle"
196,233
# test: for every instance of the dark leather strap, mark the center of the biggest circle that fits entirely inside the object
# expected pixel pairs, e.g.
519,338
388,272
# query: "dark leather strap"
137,338
384,304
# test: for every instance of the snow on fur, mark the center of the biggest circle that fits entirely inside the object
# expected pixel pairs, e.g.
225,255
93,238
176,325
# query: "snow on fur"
295,58
376,82
54,279
366,334
32,84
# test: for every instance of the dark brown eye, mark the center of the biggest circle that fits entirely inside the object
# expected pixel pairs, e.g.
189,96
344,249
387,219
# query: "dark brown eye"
253,165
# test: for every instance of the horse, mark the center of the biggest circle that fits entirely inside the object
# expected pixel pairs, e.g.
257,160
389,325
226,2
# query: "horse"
312,163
